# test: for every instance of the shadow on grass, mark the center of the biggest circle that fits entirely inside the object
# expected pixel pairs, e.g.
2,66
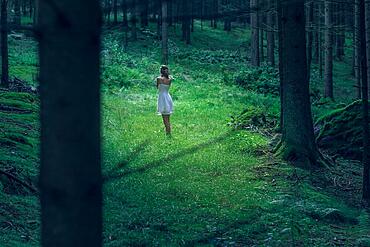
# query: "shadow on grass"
220,237
112,175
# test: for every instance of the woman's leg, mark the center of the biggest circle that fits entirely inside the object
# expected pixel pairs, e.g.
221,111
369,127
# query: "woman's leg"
167,125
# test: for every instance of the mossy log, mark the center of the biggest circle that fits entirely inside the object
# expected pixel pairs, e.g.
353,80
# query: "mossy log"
340,131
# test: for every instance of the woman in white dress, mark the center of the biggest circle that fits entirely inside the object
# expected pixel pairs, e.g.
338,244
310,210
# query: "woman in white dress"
165,104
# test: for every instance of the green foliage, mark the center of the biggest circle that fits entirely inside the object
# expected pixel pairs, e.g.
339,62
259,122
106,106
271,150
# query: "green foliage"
263,80
224,57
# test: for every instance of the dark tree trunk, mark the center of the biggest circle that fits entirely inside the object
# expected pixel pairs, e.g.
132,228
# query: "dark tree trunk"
17,12
31,8
215,14
144,5
4,44
319,42
262,41
164,32
125,23
186,22
298,141
109,10
357,47
270,34
316,27
159,21
255,56
134,20
365,75
70,171
115,11
309,25
328,90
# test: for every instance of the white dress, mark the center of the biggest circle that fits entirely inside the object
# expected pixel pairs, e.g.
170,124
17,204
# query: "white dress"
165,104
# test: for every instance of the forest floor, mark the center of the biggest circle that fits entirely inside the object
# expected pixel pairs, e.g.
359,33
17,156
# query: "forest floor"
209,184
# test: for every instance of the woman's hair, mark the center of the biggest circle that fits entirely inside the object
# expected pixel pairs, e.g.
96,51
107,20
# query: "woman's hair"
164,67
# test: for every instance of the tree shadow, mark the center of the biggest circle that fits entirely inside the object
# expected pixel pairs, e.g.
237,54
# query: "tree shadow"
112,175
219,236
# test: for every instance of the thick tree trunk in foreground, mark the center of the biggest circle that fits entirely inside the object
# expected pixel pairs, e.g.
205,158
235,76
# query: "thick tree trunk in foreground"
255,56
328,74
70,172
4,44
365,74
164,32
298,141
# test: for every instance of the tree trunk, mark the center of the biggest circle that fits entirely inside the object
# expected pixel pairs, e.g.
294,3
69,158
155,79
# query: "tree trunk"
270,34
144,13
31,8
125,23
365,62
298,141
309,25
255,56
70,171
4,44
134,20
186,22
215,14
319,42
17,12
328,90
164,33
357,47
115,11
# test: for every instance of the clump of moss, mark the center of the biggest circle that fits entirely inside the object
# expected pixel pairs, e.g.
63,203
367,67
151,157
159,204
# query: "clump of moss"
340,131
254,117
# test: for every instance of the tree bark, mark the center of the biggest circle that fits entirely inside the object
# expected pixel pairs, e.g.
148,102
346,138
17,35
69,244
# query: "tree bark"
115,11
164,32
186,22
4,44
309,25
298,141
144,13
357,47
17,12
125,23
255,56
70,172
328,77
319,42
365,66
270,34
134,20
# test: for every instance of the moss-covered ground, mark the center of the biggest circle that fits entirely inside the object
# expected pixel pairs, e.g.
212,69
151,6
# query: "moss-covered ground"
210,184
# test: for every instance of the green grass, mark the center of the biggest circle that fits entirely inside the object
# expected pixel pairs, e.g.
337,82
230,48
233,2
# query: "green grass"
208,185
